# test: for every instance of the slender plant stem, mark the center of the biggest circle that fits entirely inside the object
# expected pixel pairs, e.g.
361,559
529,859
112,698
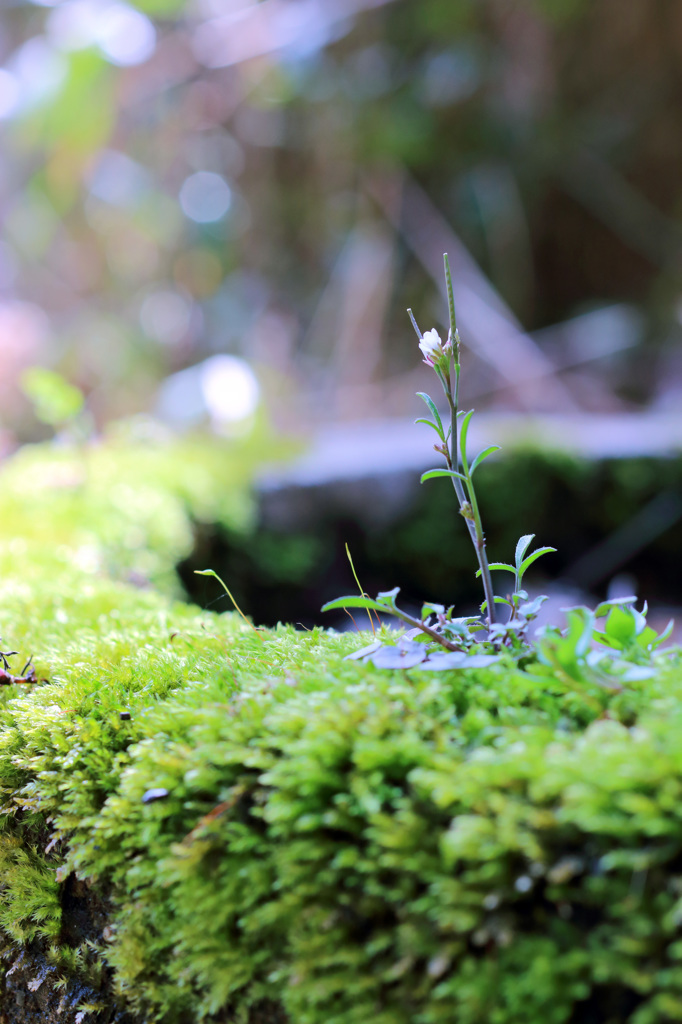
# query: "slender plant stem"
420,624
475,526
481,552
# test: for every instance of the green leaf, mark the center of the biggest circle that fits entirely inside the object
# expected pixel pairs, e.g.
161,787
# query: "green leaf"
497,600
432,473
621,625
433,410
55,400
387,597
430,423
483,455
533,558
499,565
662,636
464,430
431,609
648,638
223,584
353,601
521,548
605,607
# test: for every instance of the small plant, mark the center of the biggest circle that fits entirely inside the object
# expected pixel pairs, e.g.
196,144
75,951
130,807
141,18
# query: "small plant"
475,641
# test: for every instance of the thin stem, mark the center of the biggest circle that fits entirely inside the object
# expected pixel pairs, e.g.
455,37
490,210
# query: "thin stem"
451,298
420,624
475,527
414,324
481,551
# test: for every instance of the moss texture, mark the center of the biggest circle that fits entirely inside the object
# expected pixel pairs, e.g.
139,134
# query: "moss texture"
204,822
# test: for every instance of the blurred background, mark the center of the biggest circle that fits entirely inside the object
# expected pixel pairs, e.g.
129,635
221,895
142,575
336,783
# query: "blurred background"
215,210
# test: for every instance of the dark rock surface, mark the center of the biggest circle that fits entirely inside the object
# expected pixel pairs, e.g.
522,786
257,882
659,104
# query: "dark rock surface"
32,990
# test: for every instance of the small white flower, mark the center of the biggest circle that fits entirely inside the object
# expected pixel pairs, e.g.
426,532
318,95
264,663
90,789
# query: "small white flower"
431,346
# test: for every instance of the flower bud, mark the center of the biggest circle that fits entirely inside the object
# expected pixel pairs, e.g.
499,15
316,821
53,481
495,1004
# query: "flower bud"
432,347
436,354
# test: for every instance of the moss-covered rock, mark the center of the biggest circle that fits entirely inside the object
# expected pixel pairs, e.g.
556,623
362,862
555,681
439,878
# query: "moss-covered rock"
276,827
202,821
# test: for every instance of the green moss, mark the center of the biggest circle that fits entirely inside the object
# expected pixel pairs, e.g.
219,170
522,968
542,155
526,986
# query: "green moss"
29,898
344,840
126,506
353,844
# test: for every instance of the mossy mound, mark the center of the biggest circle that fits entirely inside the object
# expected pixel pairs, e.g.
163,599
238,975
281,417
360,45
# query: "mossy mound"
127,506
274,826
201,821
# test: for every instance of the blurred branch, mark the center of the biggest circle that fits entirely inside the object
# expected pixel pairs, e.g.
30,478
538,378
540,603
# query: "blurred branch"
264,28
660,515
609,197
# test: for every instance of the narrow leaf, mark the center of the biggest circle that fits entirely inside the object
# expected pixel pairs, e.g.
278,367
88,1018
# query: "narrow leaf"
665,634
499,565
211,572
435,426
534,557
498,600
353,601
433,410
464,430
431,473
483,455
362,592
521,548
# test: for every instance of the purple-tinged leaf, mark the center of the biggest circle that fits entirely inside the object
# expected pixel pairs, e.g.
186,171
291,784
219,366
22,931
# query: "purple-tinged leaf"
152,795
441,662
481,660
364,652
396,657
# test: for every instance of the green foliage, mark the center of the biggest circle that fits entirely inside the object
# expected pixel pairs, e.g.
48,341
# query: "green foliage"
29,898
55,400
121,507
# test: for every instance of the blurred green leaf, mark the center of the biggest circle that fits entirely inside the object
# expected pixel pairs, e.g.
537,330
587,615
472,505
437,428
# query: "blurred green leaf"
55,400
